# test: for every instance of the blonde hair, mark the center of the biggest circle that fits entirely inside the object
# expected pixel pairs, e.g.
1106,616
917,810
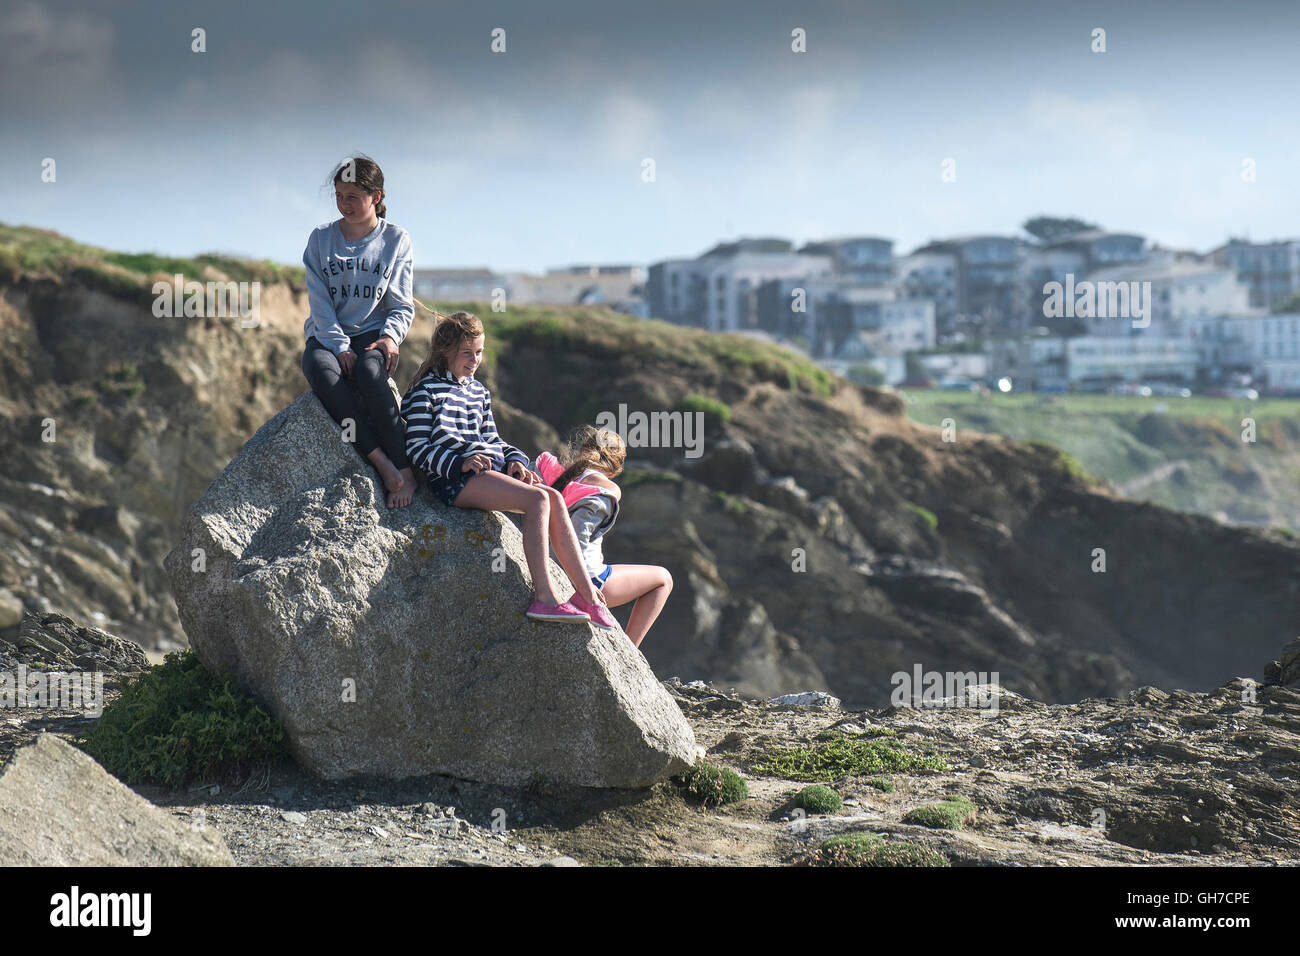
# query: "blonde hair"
591,447
449,331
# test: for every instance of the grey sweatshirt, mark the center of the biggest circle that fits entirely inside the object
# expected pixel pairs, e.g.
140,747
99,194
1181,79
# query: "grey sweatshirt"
358,287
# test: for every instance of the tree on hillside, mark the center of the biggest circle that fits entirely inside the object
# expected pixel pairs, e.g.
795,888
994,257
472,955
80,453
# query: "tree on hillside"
1047,228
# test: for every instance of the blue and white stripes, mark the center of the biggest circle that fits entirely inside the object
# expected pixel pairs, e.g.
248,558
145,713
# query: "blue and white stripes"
447,421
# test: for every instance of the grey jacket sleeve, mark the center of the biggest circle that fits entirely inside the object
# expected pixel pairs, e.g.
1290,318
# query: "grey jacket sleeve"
322,322
589,516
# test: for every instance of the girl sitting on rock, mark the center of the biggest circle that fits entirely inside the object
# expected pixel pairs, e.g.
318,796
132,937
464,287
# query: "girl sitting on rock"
451,435
359,292
594,458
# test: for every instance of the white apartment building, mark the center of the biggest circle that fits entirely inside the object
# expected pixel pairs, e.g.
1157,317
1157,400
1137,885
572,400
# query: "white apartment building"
456,285
731,283
1180,290
1267,346
1132,358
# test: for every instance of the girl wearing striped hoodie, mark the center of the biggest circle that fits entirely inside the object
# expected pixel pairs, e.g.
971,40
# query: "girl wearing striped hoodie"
452,437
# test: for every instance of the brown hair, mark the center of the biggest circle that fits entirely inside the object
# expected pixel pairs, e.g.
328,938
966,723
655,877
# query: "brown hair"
365,173
591,447
449,331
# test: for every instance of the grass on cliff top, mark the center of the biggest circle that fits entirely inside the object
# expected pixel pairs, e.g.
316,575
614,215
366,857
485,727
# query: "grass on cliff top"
598,330
824,762
45,252
178,723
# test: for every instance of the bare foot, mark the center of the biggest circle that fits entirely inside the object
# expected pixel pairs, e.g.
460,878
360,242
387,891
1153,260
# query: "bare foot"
403,495
400,485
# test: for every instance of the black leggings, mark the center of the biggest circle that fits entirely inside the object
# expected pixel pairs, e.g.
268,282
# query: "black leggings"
378,423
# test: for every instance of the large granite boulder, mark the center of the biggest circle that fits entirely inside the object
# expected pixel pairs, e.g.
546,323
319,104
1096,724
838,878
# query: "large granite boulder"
394,642
58,807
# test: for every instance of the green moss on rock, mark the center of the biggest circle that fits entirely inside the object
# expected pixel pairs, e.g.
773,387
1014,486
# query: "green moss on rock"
822,763
868,849
951,813
714,786
818,798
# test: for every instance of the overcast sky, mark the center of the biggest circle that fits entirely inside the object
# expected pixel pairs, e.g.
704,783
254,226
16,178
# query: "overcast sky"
532,158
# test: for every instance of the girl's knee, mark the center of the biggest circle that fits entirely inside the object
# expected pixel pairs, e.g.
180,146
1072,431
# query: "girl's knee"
665,580
538,499
371,371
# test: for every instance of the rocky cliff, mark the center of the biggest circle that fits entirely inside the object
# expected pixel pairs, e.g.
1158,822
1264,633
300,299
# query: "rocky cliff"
819,539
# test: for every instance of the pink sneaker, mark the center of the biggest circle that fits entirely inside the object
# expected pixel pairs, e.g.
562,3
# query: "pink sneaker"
598,613
556,612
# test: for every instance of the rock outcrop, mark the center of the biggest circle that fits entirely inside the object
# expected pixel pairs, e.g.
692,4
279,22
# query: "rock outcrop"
58,807
394,643
55,641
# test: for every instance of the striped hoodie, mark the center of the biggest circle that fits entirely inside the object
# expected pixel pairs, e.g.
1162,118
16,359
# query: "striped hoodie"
447,421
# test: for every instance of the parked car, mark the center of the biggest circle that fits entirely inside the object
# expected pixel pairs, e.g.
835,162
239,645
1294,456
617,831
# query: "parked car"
1091,388
1167,390
1130,388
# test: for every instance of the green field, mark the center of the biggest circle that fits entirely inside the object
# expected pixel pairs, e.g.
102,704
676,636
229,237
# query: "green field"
1183,453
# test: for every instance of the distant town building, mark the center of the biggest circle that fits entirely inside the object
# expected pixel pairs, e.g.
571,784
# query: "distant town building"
617,286
844,317
1042,362
865,258
1099,249
456,285
1180,290
990,292
718,290
1271,270
931,276
1265,346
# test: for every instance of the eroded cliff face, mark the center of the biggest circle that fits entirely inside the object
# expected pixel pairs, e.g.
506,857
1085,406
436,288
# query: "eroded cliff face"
819,540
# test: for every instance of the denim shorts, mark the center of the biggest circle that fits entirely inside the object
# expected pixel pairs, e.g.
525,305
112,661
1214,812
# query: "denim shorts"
446,489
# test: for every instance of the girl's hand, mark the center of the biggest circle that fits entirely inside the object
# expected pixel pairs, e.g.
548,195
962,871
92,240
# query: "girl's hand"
516,470
347,361
476,464
389,348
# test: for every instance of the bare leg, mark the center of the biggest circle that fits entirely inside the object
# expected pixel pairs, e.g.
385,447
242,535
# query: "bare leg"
399,484
493,491
565,542
648,585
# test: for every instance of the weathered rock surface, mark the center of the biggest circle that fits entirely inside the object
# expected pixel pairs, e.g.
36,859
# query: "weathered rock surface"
58,807
57,642
393,643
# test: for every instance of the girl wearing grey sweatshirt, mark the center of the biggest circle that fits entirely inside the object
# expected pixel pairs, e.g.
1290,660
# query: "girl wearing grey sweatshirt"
359,290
